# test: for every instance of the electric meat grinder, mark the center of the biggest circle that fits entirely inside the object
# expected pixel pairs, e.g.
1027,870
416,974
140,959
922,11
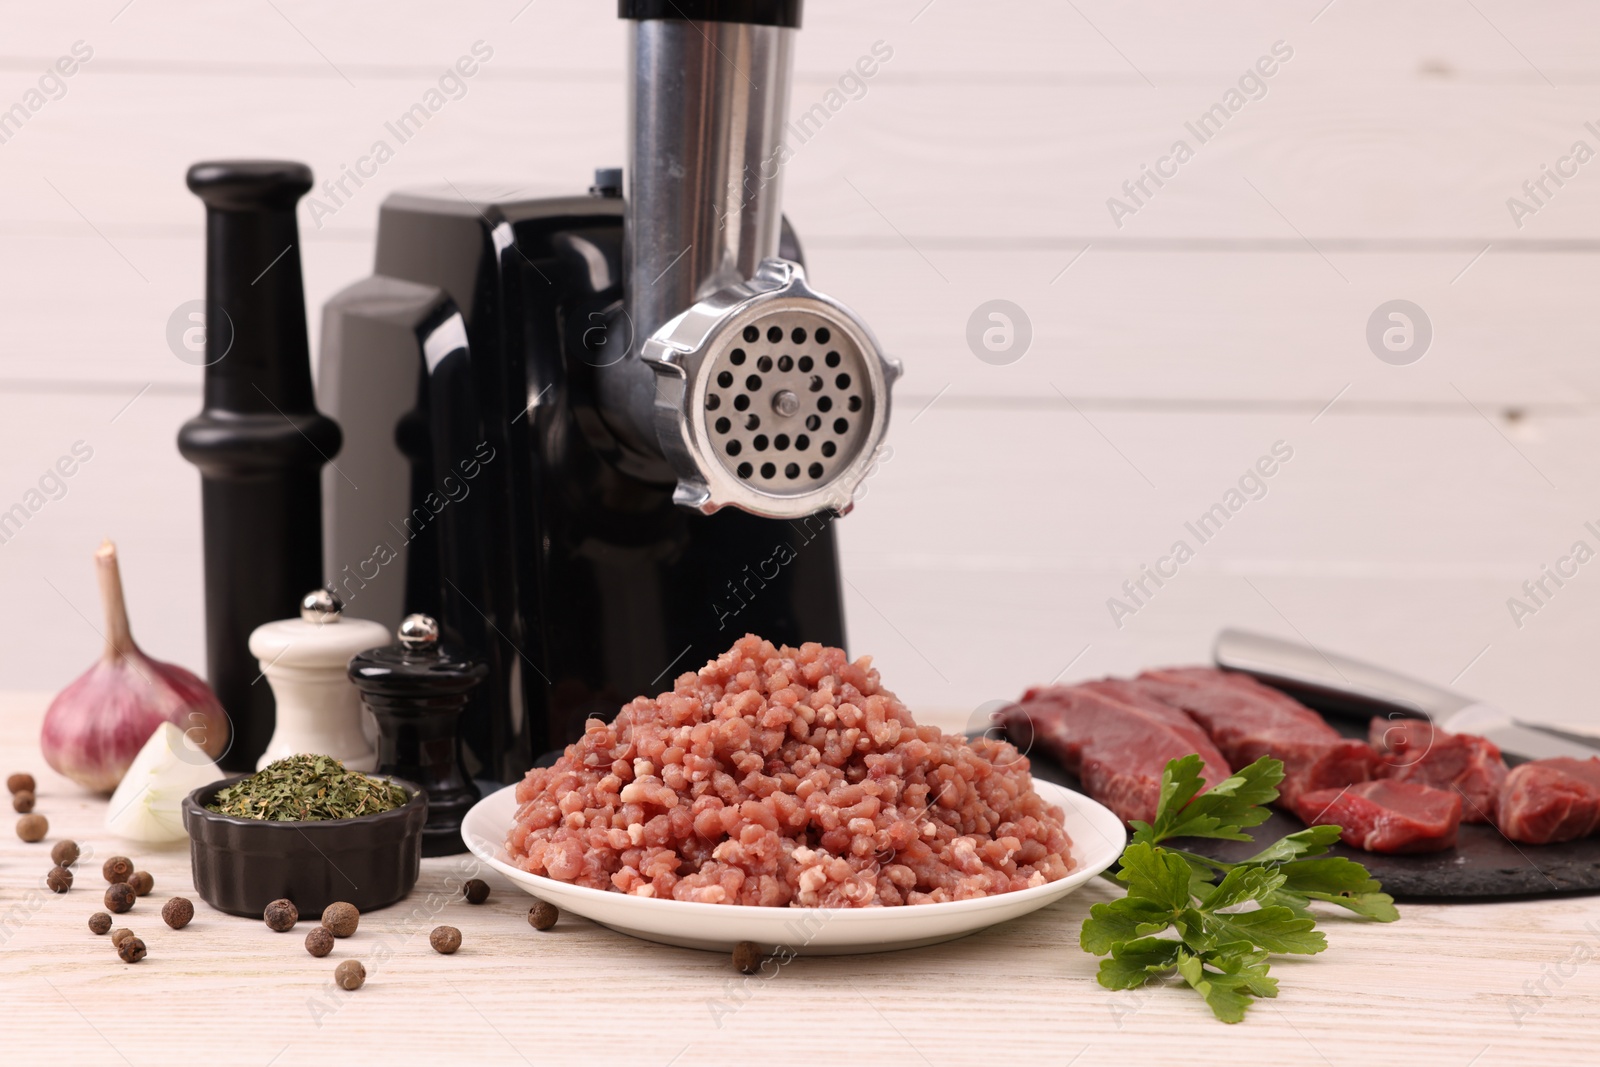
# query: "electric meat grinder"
599,437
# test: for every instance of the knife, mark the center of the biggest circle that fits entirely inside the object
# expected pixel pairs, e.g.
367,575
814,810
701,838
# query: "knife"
1350,686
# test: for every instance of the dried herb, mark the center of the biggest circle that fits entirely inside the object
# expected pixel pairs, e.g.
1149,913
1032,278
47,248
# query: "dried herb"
307,788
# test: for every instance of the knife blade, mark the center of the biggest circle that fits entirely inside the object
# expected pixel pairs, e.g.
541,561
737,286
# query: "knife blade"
1365,688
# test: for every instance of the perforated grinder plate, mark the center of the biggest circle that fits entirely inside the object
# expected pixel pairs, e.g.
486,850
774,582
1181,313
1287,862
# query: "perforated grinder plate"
788,403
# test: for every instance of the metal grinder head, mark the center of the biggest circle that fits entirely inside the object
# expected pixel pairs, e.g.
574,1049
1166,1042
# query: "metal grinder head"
770,397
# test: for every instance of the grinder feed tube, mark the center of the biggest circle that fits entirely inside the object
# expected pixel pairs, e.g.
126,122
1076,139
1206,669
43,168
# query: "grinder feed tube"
759,392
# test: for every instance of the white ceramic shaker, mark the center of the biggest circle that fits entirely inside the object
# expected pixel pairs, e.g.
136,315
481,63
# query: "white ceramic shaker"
318,708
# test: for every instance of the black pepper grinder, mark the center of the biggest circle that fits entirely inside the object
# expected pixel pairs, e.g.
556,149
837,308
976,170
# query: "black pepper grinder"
417,691
259,440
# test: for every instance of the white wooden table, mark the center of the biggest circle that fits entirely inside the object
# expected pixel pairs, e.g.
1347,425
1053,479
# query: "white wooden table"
1476,984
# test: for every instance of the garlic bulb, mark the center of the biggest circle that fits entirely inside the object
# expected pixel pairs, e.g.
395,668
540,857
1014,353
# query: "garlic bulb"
96,725
148,805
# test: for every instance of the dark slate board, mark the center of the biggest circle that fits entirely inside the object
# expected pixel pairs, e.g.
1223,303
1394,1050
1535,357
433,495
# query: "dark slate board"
1483,865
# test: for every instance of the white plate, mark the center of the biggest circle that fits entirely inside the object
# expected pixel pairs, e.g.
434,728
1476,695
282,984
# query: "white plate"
1097,840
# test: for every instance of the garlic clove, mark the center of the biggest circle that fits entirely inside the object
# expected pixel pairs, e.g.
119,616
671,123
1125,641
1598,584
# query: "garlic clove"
147,805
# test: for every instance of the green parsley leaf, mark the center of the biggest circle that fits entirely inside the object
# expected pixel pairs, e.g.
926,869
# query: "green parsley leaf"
1223,811
1230,991
1133,963
1115,921
1228,917
1155,875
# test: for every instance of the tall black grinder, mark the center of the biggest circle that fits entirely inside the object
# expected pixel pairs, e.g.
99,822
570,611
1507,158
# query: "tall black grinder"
259,441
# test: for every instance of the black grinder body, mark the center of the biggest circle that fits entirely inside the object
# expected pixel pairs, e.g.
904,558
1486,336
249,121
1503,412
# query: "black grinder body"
493,495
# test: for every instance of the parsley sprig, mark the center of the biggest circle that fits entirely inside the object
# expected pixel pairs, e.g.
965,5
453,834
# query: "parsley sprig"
1212,923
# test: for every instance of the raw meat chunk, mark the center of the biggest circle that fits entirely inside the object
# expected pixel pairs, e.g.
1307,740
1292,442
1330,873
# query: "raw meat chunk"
1550,800
1415,750
1116,742
1386,815
1248,720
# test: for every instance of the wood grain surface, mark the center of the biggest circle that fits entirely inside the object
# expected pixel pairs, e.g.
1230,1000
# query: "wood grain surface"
1455,986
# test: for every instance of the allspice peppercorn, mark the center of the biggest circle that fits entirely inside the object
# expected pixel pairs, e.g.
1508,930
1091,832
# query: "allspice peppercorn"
142,882
99,922
281,915
120,897
117,869
319,942
177,912
340,919
543,915
747,957
131,949
59,880
350,974
22,802
476,891
65,854
445,939
20,783
119,934
32,828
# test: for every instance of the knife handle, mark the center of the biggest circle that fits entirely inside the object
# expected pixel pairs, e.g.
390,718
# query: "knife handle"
1327,680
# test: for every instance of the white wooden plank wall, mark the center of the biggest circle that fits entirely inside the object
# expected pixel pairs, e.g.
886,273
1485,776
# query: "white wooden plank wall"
1169,353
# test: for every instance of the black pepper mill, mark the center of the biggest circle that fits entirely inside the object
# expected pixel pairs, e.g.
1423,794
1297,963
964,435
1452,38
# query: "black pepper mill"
417,691
259,441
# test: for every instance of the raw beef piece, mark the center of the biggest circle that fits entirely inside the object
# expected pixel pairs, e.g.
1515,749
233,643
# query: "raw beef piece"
1117,747
1248,720
1415,750
1386,815
1550,800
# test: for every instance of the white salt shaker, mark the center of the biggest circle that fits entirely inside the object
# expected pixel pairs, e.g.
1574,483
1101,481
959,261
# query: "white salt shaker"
318,708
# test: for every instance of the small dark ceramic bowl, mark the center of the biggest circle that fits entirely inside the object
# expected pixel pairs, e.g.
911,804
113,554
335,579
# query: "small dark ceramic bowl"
242,865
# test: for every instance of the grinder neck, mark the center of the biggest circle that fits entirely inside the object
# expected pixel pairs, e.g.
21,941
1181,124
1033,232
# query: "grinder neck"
707,106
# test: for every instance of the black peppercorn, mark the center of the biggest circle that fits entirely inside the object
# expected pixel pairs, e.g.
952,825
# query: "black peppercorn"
543,915
281,915
22,802
340,918
350,974
177,912
319,942
445,939
747,957
59,880
32,828
117,869
131,949
476,890
120,897
119,934
19,783
142,882
65,854
99,922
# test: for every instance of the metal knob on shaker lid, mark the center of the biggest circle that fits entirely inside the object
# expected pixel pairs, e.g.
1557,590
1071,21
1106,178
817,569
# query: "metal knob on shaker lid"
321,605
418,632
